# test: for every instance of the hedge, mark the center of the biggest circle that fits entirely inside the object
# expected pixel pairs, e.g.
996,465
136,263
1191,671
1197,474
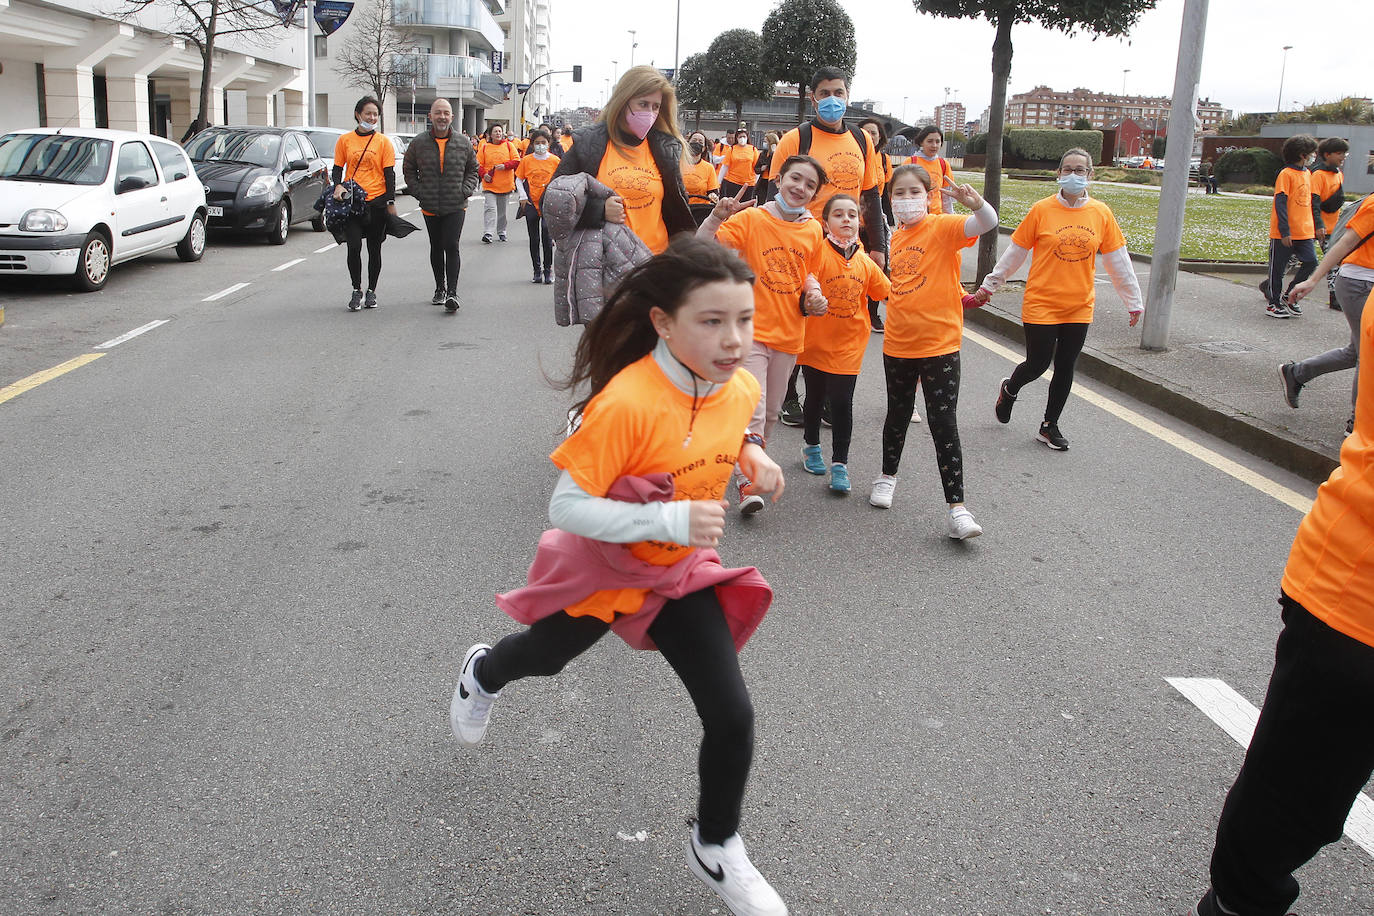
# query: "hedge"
1249,166
1039,145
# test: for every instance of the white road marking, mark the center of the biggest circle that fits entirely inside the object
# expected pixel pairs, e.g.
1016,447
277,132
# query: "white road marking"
224,292
1246,476
326,248
131,335
411,212
287,264
1237,716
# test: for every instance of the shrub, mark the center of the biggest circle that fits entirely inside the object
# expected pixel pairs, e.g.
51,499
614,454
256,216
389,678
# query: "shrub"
1111,174
1048,145
978,143
1249,166
1139,176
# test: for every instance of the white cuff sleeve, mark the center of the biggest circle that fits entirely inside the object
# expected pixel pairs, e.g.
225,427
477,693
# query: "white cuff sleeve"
520,190
980,221
574,510
1008,264
1122,272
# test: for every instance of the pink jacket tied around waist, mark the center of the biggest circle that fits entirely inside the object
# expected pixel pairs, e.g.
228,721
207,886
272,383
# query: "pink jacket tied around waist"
568,567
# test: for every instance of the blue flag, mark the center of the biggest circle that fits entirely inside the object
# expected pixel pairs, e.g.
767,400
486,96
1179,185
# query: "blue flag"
330,14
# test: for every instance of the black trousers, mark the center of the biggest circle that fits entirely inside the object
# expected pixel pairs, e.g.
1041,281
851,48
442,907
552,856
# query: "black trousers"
839,391
1312,753
539,237
691,633
1046,343
730,189
938,378
1305,250
370,227
444,234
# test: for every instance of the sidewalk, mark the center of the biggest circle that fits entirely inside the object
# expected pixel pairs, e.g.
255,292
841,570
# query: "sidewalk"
1220,371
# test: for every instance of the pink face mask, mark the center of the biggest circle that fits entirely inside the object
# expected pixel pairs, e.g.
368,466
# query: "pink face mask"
639,122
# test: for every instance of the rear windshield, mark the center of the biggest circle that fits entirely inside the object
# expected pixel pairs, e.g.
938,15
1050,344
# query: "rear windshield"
235,146
55,158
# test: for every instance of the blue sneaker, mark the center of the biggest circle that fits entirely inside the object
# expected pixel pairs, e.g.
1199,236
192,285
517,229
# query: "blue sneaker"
812,460
839,478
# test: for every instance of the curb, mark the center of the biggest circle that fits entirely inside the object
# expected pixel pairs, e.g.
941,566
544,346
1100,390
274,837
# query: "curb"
1241,430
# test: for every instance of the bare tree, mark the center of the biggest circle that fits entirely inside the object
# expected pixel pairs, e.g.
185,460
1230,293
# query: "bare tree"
377,56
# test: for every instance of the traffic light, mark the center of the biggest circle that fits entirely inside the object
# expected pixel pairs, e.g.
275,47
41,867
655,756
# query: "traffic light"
577,73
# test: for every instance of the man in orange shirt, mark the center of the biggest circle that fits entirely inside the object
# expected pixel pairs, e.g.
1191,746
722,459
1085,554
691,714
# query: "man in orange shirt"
1291,225
497,160
1328,196
1313,749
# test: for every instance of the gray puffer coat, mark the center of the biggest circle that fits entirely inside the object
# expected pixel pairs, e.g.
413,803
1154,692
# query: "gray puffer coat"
587,262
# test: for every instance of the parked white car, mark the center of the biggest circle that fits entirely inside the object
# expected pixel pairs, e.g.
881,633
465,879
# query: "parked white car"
76,201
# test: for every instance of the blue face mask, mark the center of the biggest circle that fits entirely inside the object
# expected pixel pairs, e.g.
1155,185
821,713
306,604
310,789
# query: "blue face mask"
789,211
1074,184
831,108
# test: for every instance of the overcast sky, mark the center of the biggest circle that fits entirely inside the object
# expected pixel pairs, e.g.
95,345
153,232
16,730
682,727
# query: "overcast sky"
908,60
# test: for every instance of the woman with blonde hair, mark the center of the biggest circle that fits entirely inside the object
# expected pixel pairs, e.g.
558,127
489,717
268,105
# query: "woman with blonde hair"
635,149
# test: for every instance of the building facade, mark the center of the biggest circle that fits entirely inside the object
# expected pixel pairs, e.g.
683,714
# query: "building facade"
526,57
950,116
1044,107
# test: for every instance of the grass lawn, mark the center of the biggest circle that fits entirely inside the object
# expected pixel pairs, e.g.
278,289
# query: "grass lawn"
1214,227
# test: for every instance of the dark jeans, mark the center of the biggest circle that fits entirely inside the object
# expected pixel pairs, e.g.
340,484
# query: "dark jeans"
1279,253
1046,343
370,227
691,633
1312,753
539,235
444,233
839,391
730,189
938,377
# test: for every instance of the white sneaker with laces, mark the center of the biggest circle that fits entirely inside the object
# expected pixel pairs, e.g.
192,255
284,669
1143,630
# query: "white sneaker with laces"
749,503
881,494
961,524
470,710
726,869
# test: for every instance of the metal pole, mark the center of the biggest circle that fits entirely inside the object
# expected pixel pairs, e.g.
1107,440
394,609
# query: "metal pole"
677,38
1123,80
310,62
1174,195
1283,68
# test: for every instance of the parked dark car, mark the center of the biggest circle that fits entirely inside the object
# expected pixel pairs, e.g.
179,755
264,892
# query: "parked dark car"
259,179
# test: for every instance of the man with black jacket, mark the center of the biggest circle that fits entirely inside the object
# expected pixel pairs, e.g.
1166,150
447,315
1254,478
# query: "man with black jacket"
442,175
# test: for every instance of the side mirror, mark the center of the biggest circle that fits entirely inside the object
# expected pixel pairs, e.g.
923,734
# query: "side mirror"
297,165
132,183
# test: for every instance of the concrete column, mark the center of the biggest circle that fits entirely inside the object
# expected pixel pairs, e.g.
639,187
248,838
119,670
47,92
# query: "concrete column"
259,108
128,102
295,108
183,106
70,97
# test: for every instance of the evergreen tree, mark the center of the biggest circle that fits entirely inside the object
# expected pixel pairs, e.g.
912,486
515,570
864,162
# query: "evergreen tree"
800,37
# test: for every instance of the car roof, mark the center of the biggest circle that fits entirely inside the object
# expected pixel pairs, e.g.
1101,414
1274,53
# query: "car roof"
253,128
100,133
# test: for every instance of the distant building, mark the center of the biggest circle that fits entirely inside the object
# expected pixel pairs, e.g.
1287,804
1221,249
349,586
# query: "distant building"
1044,107
950,116
527,56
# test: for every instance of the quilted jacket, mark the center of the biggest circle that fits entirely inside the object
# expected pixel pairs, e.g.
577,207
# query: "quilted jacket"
588,261
440,191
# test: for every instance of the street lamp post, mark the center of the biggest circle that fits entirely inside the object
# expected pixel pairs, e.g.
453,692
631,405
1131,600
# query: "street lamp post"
615,72
1123,80
1283,68
633,44
904,98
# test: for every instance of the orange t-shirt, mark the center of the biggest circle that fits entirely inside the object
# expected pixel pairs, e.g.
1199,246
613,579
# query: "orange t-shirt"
782,254
1330,568
638,425
1361,223
937,169
489,157
739,163
1064,242
567,143
363,162
849,170
700,180
836,341
538,173
632,174
925,313
1325,183
1297,184
523,145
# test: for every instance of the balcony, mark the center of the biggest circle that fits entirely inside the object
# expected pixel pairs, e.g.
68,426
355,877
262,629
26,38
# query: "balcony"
430,68
470,15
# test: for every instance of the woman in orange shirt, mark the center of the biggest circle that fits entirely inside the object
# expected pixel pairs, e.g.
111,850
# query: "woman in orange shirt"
366,156
925,326
737,167
497,160
928,141
699,177
635,149
640,490
532,176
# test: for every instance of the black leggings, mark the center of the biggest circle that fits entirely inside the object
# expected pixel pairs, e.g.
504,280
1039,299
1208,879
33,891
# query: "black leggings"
1046,343
444,233
839,391
370,227
938,377
539,235
691,633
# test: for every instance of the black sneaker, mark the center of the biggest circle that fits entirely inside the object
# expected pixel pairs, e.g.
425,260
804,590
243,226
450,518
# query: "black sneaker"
1294,310
1332,304
502,236
356,301
1350,425
791,413
370,300
1005,402
1291,386
548,278
486,238
451,303
1050,435
538,276
877,324
438,298
1264,288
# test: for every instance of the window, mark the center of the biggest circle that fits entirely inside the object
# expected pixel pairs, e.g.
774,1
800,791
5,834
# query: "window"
293,149
62,159
321,45
173,162
134,162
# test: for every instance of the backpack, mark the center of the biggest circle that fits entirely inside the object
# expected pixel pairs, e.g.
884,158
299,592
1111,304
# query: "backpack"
804,132
1346,213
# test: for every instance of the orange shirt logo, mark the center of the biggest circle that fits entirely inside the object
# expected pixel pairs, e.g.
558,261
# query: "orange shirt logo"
1074,243
634,186
845,169
782,270
907,276
844,292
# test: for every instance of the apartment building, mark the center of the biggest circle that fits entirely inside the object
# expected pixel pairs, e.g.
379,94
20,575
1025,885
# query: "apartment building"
1044,107
950,116
527,56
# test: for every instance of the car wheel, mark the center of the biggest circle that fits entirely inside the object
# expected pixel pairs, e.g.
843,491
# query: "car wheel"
93,265
192,245
281,225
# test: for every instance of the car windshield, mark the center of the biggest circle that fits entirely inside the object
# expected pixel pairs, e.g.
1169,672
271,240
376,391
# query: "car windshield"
59,158
235,146
324,141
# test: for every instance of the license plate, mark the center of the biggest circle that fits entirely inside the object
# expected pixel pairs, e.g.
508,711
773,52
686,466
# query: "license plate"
215,211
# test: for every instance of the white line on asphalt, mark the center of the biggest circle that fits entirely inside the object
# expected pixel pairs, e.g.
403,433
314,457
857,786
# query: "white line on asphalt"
1246,476
326,248
224,292
1237,717
287,264
411,212
131,335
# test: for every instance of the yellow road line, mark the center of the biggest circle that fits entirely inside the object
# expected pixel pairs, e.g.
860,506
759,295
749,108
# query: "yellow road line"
1201,452
47,375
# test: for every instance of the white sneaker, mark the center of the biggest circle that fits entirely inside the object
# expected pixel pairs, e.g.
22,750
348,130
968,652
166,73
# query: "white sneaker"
748,503
881,494
915,417
961,524
470,710
726,869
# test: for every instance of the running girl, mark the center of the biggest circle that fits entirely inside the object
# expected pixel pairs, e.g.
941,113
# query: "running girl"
925,327
836,341
638,512
532,176
782,242
1065,232
928,142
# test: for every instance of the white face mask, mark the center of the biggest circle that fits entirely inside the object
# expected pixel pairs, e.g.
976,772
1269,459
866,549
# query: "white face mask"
541,150
910,210
365,127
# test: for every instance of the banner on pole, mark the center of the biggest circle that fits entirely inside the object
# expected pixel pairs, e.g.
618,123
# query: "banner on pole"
330,14
286,10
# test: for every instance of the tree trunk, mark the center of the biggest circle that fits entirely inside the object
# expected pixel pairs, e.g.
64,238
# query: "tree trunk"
739,113
801,103
207,63
696,122
992,173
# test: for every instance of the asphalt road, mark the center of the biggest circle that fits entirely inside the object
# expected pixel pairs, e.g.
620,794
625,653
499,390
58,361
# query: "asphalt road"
241,556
